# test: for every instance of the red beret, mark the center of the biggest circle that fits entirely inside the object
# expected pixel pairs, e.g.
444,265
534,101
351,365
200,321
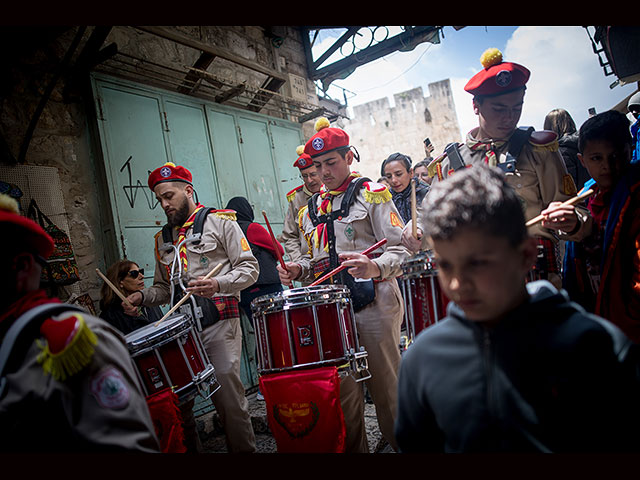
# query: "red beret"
497,77
304,161
169,172
26,232
326,140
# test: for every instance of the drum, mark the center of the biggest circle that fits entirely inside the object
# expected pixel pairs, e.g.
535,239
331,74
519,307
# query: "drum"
308,327
172,354
425,303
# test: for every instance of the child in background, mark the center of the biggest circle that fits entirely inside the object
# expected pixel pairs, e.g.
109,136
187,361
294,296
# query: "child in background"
514,366
602,272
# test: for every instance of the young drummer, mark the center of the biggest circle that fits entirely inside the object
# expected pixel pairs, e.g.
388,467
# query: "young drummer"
602,272
514,366
298,198
371,217
530,159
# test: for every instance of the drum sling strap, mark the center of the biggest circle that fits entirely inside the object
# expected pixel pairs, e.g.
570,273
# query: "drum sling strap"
22,332
362,292
516,142
203,310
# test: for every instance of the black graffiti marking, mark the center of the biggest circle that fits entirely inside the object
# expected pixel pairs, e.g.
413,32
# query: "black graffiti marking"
131,190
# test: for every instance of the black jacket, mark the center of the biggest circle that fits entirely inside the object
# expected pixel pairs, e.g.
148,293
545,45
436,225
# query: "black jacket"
114,314
546,378
568,146
402,200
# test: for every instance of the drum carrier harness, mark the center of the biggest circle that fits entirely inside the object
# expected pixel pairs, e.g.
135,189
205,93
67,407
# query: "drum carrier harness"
203,310
362,291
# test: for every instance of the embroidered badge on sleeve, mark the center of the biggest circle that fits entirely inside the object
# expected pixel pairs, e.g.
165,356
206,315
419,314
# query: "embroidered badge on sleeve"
110,390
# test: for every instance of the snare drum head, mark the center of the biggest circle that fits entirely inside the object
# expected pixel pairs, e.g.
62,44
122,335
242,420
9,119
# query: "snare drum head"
166,329
301,296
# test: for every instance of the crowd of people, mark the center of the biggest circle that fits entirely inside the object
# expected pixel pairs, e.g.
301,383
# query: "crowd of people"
537,352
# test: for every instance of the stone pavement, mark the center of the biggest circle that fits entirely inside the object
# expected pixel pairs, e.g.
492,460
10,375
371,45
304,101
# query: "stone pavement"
213,440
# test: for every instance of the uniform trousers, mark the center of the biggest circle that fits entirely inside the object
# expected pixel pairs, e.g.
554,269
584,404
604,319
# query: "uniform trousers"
378,326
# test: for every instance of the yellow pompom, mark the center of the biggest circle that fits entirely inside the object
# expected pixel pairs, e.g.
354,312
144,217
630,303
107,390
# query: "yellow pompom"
299,150
321,123
490,57
169,164
8,203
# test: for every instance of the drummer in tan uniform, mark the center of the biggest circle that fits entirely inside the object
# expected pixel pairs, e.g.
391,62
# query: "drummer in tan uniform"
222,242
530,159
371,217
298,198
68,384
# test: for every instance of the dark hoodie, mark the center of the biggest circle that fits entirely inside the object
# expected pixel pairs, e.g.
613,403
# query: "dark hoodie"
546,378
568,146
259,240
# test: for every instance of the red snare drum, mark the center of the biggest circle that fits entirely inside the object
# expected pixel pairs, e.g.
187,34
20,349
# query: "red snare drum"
172,354
308,327
424,302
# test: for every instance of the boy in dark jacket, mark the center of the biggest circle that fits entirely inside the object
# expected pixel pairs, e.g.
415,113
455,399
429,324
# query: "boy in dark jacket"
515,366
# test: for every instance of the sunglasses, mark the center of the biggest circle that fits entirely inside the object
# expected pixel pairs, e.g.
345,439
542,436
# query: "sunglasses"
135,273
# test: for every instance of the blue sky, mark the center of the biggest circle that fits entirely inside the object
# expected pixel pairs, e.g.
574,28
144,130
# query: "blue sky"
565,73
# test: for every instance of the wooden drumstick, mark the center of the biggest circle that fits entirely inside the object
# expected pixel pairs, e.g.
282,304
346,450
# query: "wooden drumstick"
274,242
215,270
414,223
571,201
113,287
342,267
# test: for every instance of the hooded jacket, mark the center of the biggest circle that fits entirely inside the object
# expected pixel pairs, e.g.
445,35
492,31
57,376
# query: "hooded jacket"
547,378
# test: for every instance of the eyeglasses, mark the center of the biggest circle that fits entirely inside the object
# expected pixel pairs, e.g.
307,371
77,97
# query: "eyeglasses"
135,273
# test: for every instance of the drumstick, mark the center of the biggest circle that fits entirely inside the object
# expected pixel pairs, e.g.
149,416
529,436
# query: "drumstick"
274,241
113,287
342,267
215,270
571,201
414,223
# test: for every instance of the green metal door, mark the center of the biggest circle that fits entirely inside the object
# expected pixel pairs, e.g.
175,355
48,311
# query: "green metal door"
230,153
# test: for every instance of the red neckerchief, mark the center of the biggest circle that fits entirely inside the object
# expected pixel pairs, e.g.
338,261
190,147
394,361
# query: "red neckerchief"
320,233
598,205
26,303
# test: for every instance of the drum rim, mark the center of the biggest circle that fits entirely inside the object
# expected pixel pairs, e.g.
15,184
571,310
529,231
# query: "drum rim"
302,296
171,331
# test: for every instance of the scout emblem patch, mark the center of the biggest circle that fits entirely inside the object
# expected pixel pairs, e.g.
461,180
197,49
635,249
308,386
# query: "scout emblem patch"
395,220
110,390
349,232
244,245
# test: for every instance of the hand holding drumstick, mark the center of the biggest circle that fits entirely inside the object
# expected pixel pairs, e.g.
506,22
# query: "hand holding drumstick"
562,215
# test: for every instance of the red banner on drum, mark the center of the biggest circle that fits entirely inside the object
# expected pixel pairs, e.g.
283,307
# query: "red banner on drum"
167,420
303,410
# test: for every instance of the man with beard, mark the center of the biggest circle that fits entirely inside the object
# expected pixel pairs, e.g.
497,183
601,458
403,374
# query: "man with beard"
222,242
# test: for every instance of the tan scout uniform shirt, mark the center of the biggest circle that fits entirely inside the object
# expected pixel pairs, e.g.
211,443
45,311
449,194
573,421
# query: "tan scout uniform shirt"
378,323
290,237
101,408
540,178
223,242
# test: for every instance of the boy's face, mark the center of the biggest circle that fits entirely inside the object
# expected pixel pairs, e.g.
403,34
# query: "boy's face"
483,273
498,117
333,168
605,162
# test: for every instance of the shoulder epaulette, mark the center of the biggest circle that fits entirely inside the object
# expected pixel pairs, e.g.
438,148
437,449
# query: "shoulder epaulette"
292,194
226,214
435,168
301,213
69,345
544,140
376,192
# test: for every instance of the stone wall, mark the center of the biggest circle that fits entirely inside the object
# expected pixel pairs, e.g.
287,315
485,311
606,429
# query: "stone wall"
64,137
378,130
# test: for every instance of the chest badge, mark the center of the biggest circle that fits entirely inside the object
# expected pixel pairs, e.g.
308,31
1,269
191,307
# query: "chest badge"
349,232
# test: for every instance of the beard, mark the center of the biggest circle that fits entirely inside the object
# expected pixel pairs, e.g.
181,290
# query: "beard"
181,214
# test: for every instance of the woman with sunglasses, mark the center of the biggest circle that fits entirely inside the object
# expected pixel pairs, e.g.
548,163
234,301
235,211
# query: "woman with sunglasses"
128,277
